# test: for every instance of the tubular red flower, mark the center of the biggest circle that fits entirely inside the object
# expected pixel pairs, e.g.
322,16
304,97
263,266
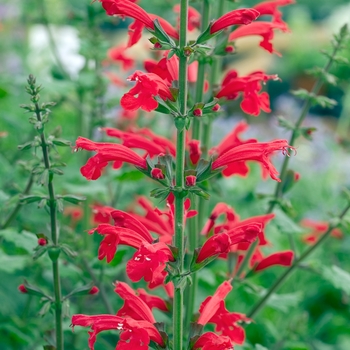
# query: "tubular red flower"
134,335
141,95
117,54
260,152
212,341
235,17
152,301
113,236
215,245
280,258
194,151
126,8
271,8
106,152
149,263
263,29
194,17
134,306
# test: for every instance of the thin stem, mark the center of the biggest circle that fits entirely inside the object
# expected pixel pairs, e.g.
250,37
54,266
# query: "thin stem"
302,257
179,180
54,236
17,208
194,223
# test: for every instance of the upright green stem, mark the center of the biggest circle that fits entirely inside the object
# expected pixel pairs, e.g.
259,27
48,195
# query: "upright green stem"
302,257
54,236
278,191
196,135
179,180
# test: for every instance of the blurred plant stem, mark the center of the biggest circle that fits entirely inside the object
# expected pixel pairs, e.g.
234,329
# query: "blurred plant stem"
18,206
296,263
179,239
194,223
295,134
54,251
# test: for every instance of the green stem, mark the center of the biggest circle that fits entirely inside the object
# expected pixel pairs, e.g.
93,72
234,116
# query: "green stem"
179,180
54,236
278,191
194,223
17,208
302,257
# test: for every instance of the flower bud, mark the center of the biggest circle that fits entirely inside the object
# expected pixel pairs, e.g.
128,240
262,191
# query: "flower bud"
197,112
22,288
157,173
42,241
94,290
191,180
216,108
229,49
296,176
157,46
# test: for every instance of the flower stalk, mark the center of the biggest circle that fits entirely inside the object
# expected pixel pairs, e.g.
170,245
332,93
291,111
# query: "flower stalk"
179,180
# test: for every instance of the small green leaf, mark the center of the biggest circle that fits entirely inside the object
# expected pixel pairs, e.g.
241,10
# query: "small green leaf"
61,142
338,277
72,198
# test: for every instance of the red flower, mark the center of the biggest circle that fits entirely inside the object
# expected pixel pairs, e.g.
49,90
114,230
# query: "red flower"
42,241
220,243
212,341
101,213
152,301
271,8
149,263
106,152
194,17
141,95
260,152
235,17
194,151
134,335
279,258
134,306
22,289
157,173
263,29
117,54
213,310
318,228
250,86
232,140
114,236
94,290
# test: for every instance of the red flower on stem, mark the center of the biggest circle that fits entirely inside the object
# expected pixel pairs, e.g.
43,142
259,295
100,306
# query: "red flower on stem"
213,310
263,29
271,8
117,54
212,341
279,258
134,335
260,152
235,17
250,87
194,17
148,85
106,152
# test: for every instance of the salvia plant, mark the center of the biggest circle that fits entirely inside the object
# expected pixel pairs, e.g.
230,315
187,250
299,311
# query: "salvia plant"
172,244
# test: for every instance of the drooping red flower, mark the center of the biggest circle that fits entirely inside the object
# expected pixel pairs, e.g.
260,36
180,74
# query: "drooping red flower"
134,335
194,151
263,29
318,229
194,17
114,236
106,152
134,306
149,262
212,341
271,8
117,54
235,17
250,87
280,258
220,243
260,152
148,85
213,310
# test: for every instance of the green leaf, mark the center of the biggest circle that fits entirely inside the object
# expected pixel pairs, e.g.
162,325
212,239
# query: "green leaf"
284,302
338,277
61,142
31,199
133,175
12,263
285,224
82,290
25,240
72,198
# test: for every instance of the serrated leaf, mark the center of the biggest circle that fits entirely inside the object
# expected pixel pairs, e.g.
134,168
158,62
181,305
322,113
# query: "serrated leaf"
323,101
338,277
